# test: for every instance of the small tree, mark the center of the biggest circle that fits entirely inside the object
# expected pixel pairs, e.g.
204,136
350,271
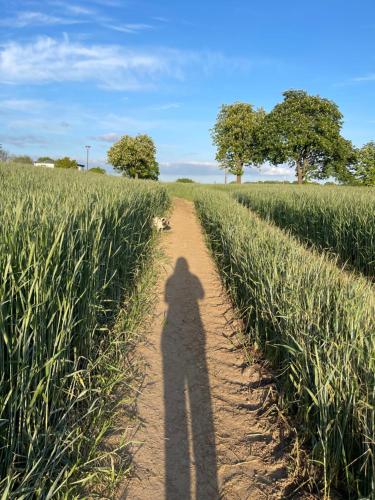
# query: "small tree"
304,131
45,159
24,159
236,136
66,162
97,170
185,180
135,157
364,168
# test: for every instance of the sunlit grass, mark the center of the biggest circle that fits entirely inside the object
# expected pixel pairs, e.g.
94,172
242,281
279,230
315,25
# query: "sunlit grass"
71,248
317,326
340,219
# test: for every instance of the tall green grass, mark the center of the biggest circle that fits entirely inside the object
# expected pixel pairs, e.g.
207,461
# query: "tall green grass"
316,324
181,190
71,248
339,219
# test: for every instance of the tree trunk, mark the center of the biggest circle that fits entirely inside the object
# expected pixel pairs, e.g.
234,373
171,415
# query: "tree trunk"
238,171
299,171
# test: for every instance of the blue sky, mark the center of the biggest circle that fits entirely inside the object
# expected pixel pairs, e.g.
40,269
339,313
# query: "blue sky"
87,72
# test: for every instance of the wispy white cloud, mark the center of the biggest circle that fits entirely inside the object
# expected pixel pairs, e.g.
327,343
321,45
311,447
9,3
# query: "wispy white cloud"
113,67
78,9
132,28
23,19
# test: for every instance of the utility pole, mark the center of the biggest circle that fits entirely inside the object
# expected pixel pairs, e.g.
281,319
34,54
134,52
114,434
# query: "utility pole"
225,175
87,156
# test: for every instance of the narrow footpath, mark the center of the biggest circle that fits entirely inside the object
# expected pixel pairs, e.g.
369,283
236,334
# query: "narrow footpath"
209,428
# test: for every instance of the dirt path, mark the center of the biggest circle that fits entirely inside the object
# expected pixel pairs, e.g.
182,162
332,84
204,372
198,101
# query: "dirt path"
206,433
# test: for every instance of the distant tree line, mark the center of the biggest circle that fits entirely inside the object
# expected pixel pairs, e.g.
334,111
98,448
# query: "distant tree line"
65,162
303,131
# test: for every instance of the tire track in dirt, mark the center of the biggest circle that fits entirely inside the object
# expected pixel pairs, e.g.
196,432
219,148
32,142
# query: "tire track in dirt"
205,431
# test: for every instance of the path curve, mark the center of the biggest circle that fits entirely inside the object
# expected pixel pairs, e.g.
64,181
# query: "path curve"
205,433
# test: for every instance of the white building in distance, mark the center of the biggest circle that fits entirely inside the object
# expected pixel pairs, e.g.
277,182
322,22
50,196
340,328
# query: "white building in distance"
44,164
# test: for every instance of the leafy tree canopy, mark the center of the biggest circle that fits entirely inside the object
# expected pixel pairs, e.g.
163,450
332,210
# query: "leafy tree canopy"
185,180
236,136
66,162
23,159
304,131
364,167
97,170
45,159
135,157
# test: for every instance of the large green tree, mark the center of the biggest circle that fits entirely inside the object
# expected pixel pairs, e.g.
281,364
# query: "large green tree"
304,132
364,167
66,162
135,157
236,136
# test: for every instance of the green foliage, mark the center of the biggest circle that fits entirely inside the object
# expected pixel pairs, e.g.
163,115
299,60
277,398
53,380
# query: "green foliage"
185,180
340,219
135,157
364,168
45,159
236,136
304,131
71,250
66,162
315,324
22,159
97,170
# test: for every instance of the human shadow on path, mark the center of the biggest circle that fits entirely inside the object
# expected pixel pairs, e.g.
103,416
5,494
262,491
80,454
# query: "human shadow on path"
187,393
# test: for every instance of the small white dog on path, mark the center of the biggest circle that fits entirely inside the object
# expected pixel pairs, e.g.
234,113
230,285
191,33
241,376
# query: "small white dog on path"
161,224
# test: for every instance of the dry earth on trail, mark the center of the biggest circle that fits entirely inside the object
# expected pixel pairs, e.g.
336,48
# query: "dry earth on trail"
209,428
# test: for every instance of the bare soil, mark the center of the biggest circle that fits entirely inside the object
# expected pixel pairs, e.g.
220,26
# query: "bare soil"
209,428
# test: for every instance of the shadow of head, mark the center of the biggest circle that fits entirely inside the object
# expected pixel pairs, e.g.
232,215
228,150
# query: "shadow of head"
183,287
182,265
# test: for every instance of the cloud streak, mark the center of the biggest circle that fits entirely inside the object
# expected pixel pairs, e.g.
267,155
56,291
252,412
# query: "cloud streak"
131,28
24,19
46,60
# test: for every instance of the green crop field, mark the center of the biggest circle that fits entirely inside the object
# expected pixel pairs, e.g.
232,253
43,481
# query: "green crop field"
297,262
313,321
71,248
338,219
